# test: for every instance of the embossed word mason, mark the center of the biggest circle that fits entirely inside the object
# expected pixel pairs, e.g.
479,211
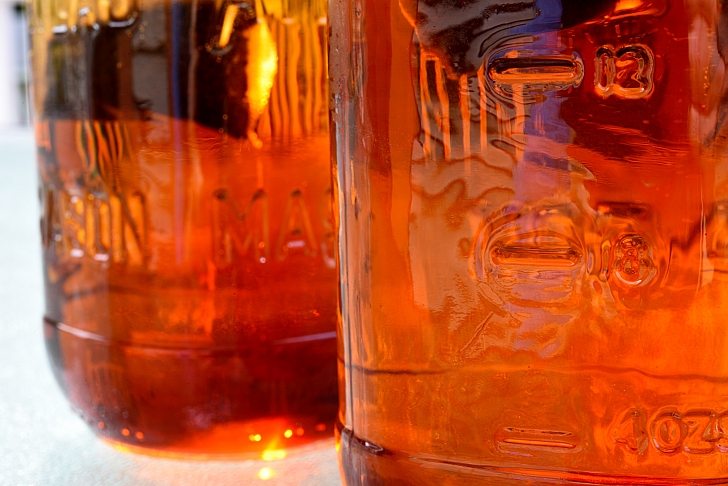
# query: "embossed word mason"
105,227
246,233
109,228
98,209
87,206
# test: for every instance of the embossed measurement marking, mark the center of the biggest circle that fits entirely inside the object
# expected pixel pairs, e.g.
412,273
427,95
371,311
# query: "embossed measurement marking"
547,71
625,71
671,431
515,439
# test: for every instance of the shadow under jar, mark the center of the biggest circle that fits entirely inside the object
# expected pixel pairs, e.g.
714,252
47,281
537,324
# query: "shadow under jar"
533,222
186,220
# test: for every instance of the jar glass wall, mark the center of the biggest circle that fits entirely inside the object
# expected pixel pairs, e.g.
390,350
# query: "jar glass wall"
532,225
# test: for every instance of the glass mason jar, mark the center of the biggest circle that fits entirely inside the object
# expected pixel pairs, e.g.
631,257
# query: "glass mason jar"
186,220
533,226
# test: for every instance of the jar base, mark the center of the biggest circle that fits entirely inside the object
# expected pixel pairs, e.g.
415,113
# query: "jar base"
197,403
273,452
364,464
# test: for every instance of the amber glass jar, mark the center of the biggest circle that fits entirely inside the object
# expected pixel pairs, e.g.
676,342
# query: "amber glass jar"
186,220
533,210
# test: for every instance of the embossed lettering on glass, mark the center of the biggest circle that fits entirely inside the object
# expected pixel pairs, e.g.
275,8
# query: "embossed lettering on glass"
532,227
186,220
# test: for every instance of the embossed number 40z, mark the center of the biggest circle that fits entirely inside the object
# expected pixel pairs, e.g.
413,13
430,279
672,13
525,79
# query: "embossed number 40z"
697,431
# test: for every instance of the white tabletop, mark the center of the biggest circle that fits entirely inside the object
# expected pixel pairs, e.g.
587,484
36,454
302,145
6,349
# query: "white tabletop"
41,441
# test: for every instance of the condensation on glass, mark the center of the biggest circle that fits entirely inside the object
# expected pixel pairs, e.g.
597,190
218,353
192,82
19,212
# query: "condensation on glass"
533,222
186,219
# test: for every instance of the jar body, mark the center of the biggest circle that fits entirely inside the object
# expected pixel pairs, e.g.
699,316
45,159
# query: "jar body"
532,223
186,221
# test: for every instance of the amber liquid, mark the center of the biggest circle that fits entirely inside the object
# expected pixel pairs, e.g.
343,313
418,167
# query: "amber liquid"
186,220
533,231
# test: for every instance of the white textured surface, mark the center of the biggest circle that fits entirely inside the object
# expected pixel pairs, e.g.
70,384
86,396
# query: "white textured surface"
41,441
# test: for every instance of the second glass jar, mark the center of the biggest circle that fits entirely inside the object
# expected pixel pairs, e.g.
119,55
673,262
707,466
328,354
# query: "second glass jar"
186,220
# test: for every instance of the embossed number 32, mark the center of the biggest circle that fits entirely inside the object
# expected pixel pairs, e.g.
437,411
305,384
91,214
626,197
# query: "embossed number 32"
625,72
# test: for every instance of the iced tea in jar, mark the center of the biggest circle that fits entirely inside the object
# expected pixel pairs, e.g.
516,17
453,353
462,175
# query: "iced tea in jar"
533,226
186,221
